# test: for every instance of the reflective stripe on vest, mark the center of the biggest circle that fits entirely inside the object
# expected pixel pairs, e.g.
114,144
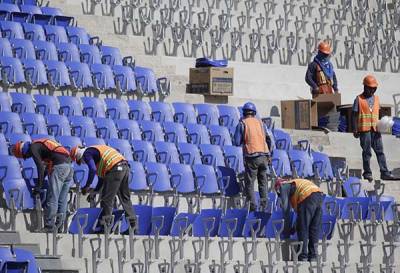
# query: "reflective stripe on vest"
109,157
254,136
367,117
304,188
324,84
54,147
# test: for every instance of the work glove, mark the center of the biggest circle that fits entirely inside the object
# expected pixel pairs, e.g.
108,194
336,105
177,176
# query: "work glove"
85,190
356,134
36,190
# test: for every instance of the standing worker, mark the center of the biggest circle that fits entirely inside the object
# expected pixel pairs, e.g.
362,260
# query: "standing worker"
113,172
321,76
52,157
365,117
251,134
306,199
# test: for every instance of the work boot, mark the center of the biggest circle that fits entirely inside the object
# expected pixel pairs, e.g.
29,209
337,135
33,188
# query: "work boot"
368,177
389,177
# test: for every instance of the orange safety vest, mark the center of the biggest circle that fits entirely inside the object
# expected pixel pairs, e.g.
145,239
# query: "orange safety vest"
254,136
304,188
54,147
109,157
324,84
367,117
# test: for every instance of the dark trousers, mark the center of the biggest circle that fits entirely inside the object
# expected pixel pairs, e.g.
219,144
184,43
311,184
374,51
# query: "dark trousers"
255,167
116,183
309,223
372,140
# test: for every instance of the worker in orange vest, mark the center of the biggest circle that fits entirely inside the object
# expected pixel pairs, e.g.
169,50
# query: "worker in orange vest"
252,135
113,172
51,157
321,76
306,199
365,117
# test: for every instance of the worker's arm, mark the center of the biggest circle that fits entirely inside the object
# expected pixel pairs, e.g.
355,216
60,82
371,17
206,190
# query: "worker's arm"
311,70
285,205
238,137
41,167
335,83
354,118
88,159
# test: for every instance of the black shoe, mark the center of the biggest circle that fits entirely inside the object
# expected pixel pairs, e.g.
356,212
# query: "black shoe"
368,177
389,177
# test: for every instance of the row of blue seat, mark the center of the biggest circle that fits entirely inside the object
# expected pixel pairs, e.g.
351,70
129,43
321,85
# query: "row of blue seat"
17,260
32,8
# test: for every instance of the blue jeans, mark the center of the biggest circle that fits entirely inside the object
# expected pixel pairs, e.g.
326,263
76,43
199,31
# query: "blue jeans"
59,183
372,140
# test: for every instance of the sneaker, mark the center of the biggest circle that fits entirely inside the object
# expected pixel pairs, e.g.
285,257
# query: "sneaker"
389,176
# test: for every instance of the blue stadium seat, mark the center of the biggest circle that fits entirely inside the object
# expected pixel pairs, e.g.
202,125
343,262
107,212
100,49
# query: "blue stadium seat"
174,132
166,152
22,103
5,48
46,104
33,9
11,30
182,223
23,256
9,7
161,112
45,51
103,77
182,178
207,223
184,113
58,125
9,261
39,136
219,135
35,73
143,151
34,32
51,11
228,116
12,72
256,220
111,55
87,219
355,207
197,134
322,165
228,181
14,138
207,114
146,81
212,155
281,163
5,102
91,141
78,35
143,214
328,227
124,79
23,49
301,161
282,140
353,187
90,54
93,107
10,124
189,153
58,75
82,127
123,146
21,17
3,145
161,220
138,179
81,75
70,106
105,128
234,158
55,34
139,110
206,180
68,52
232,223
158,178
151,131
41,19
116,109
34,124
275,224
128,129
69,141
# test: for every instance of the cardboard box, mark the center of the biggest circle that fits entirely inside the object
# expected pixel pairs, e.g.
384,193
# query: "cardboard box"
327,102
217,81
299,114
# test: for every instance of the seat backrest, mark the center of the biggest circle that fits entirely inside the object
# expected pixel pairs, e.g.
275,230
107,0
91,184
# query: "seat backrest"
82,126
166,152
116,109
158,177
3,145
152,131
182,178
46,104
197,134
281,163
90,54
111,55
143,151
5,102
33,9
139,110
103,77
206,179
23,49
69,141
123,146
10,124
77,35
34,123
234,158
5,48
189,153
219,135
58,125
228,115
232,221
68,52
93,107
105,128
146,80
13,69
125,77
34,32
302,162
228,181
45,50
207,114
161,111
56,34
184,113
70,106
212,155
81,74
174,132
161,220
11,30
58,74
35,72
143,215
207,223
138,180
128,129
86,218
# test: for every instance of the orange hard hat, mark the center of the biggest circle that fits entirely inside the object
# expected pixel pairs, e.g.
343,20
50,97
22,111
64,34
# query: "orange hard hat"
325,48
370,81
17,149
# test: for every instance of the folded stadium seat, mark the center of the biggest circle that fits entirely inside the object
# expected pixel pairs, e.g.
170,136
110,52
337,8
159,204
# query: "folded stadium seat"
21,17
212,155
161,112
34,32
182,179
189,153
23,255
46,104
256,220
105,128
93,107
5,48
9,262
14,138
219,135
41,19
3,145
33,9
143,151
12,73
138,180
282,139
281,163
55,34
111,55
82,127
68,52
151,131
70,106
124,79
139,110
146,82
90,54
13,184
122,146
184,113
85,220
62,20
11,30
35,74
207,223
275,224
10,124
45,51
328,227
353,187
228,182
355,208
128,129
69,142
78,35
22,103
103,78
116,109
91,141
174,132
197,134
182,224
23,49
166,152
4,15
158,178
161,220
34,124
51,11
207,114
332,206
81,174
228,116
232,223
58,125
206,180
81,76
5,102
58,76
234,158
143,214
301,162
9,7
322,166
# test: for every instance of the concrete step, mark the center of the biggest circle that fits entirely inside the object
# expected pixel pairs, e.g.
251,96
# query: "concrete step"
9,237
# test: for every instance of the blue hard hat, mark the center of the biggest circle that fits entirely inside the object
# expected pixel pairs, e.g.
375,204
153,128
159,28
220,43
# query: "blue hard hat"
249,106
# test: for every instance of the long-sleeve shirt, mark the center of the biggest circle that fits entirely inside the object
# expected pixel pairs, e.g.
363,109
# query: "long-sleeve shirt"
91,157
286,192
311,77
40,153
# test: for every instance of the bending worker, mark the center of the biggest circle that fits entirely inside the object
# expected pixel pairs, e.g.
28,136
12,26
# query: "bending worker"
113,172
321,76
251,134
52,157
306,199
365,117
